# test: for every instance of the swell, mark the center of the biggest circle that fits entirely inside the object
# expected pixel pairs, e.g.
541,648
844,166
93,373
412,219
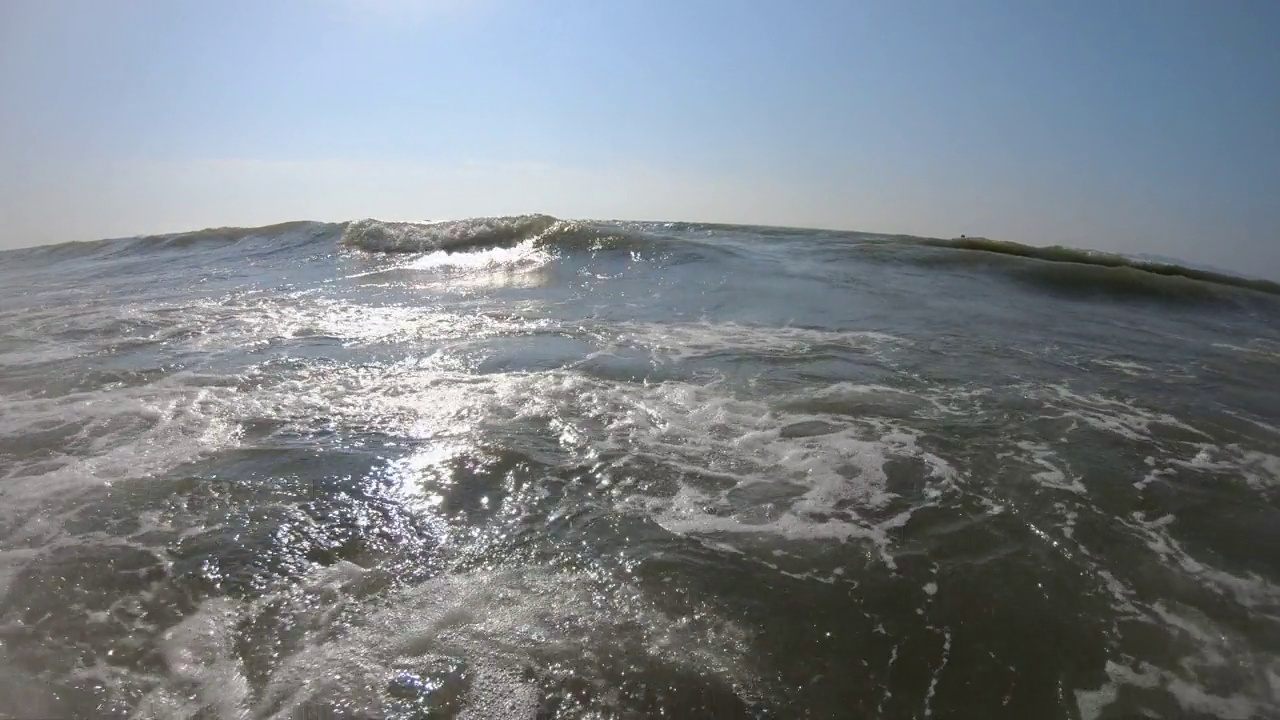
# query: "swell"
492,232
1055,269
299,229
1076,269
368,235
278,236
411,237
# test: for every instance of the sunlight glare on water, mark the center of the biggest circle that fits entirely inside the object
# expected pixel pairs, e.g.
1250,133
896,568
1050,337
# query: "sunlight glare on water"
521,468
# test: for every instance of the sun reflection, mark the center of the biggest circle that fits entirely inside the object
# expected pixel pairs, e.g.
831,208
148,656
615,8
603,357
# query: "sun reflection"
420,475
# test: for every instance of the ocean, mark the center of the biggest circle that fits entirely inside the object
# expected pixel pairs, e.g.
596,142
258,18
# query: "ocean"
533,468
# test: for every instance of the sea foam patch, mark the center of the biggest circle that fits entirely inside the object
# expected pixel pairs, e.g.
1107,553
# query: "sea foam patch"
492,644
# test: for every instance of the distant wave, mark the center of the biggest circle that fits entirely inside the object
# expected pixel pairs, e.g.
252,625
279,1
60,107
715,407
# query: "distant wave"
368,235
1075,269
1054,268
383,236
279,236
237,234
486,233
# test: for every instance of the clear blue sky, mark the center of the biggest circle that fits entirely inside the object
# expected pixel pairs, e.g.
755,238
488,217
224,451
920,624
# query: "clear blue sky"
1138,126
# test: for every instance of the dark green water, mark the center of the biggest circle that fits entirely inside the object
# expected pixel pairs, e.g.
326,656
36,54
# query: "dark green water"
618,471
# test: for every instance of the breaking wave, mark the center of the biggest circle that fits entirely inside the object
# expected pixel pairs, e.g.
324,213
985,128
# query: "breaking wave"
382,236
1053,268
487,233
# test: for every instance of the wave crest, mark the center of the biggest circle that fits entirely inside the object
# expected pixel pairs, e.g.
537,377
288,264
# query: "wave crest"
1106,270
411,237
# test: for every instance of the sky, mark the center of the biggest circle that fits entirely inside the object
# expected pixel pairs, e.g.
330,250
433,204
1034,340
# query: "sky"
1141,126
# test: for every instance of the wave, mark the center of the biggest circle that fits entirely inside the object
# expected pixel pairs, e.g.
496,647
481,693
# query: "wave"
411,237
307,228
1078,269
1047,268
279,235
535,233
372,235
367,234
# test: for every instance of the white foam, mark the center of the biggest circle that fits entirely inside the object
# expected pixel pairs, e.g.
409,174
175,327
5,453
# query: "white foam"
1250,591
527,254
384,236
200,653
1069,518
1256,422
933,681
1092,703
1154,475
258,319
1110,415
1259,470
1189,696
679,341
692,430
1051,475
493,634
1128,367
122,435
1257,348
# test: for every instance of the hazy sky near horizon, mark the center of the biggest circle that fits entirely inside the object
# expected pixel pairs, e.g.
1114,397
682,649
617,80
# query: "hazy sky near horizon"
1147,126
